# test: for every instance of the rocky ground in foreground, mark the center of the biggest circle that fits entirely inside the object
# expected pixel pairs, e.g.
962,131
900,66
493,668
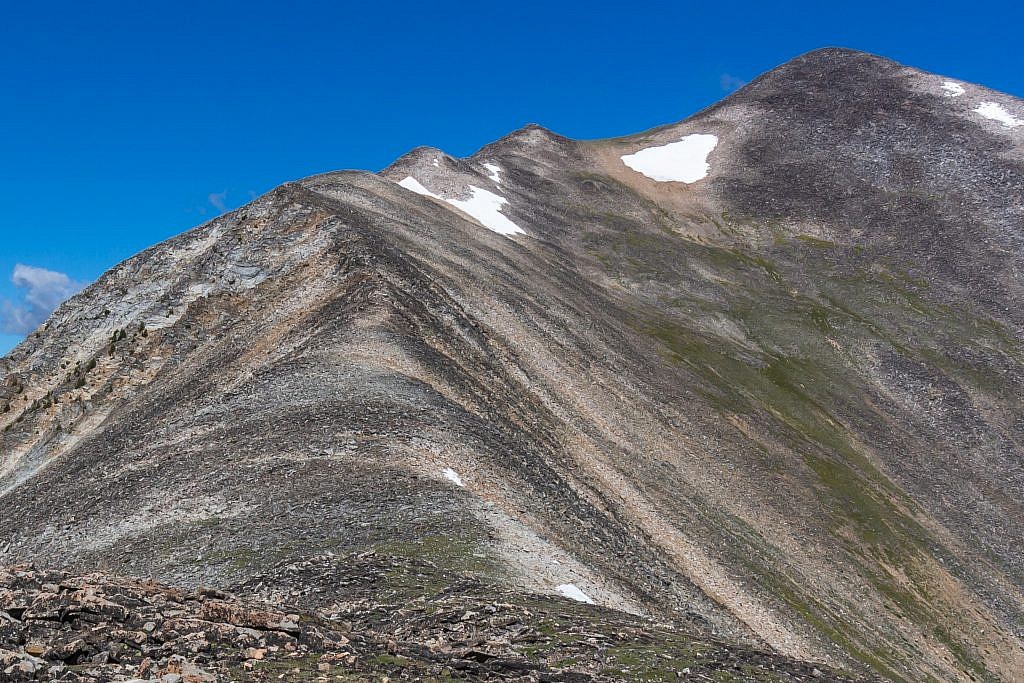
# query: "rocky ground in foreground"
55,626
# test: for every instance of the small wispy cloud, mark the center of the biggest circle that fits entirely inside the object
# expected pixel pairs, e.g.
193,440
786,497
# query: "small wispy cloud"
44,290
730,82
217,200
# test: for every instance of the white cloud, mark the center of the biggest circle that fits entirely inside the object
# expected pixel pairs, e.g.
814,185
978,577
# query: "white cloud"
17,320
730,82
44,290
217,199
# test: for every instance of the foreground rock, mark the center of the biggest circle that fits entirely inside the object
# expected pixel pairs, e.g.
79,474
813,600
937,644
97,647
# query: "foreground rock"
55,626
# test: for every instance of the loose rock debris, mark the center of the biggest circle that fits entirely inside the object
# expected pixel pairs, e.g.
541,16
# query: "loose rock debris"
355,618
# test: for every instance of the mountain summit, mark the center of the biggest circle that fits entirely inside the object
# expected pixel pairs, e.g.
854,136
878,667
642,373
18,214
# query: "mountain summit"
756,374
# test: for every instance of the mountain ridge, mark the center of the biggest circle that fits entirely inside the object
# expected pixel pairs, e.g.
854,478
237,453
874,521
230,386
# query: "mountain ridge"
624,389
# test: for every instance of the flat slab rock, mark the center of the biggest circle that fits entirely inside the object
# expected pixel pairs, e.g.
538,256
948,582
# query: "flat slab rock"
55,626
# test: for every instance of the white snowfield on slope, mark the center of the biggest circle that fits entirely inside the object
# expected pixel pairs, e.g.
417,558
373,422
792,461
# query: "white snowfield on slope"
994,111
572,591
953,89
685,161
453,476
483,205
494,172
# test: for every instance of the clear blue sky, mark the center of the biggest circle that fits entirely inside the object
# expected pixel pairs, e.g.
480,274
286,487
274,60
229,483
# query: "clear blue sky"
122,124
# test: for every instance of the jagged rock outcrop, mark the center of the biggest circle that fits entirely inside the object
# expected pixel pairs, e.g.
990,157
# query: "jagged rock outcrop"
762,377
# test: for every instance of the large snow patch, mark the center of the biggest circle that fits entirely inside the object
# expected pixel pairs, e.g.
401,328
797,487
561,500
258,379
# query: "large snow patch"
482,205
685,161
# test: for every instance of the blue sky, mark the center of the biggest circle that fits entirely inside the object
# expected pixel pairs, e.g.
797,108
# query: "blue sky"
122,124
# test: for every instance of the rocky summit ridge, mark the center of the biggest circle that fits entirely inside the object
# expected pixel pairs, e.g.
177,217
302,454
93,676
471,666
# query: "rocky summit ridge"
749,383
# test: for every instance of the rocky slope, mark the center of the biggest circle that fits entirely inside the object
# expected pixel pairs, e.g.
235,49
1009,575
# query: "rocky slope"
100,628
774,400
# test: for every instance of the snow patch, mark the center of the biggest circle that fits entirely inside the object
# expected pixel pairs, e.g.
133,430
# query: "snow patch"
486,207
494,172
482,205
570,590
685,161
411,183
436,163
953,89
994,111
537,565
453,476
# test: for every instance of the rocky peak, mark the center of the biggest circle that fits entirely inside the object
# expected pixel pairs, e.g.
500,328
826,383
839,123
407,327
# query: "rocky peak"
725,386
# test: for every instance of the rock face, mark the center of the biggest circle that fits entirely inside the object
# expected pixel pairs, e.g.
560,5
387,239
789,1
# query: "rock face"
778,405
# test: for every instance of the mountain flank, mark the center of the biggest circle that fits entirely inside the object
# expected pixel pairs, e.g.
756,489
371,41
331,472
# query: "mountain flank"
749,384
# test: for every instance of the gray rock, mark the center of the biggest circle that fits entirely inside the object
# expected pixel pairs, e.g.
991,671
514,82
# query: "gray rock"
778,407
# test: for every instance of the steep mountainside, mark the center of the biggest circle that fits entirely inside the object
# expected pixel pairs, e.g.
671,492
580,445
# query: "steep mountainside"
758,373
